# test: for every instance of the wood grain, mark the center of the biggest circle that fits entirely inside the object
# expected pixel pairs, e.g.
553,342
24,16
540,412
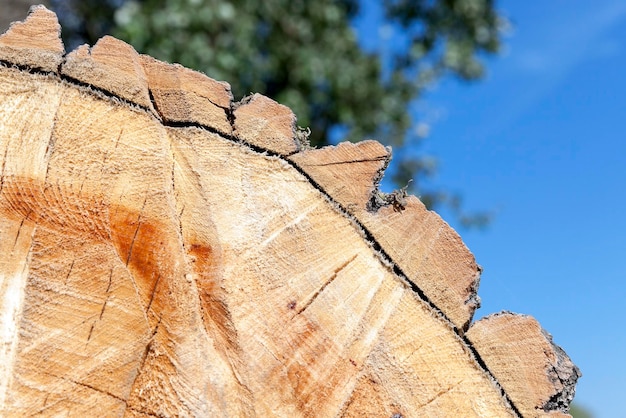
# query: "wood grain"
165,251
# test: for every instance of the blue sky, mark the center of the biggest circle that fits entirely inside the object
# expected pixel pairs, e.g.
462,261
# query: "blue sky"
541,141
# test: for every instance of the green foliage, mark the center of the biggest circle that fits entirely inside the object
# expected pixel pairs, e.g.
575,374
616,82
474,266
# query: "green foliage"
577,411
306,55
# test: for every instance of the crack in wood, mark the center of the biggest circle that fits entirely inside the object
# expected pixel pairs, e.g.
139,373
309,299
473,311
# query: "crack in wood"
110,280
132,243
51,144
67,276
19,231
104,305
326,283
440,394
367,235
93,325
144,356
141,411
4,161
152,294
364,160
88,386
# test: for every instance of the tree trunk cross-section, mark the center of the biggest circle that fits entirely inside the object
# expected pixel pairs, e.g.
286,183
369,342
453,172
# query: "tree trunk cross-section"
167,252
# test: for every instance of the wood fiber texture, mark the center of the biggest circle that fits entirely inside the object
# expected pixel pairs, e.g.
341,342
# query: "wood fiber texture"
165,251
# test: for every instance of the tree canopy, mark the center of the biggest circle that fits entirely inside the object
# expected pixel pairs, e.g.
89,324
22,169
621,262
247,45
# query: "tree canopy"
577,411
307,56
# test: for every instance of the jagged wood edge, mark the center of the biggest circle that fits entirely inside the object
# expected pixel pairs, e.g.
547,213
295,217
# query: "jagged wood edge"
143,76
385,258
552,373
367,236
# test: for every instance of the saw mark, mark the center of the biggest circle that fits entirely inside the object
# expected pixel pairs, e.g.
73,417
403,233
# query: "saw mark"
328,281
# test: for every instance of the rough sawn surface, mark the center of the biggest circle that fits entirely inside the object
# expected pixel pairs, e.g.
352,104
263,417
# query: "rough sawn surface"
165,251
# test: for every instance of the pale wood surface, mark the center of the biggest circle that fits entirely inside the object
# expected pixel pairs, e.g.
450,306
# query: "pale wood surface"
111,65
419,242
192,257
511,344
185,96
260,121
36,44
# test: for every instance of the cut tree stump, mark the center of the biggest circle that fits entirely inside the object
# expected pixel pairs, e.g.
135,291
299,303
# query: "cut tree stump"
168,252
